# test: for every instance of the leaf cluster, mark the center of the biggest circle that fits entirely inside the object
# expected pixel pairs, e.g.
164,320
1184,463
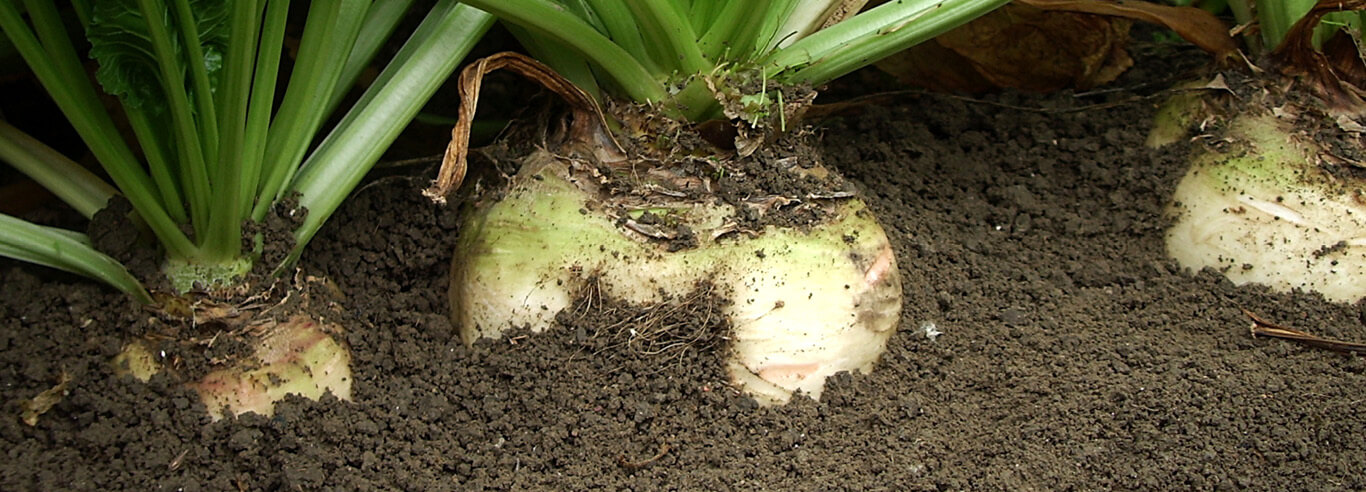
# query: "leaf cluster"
216,143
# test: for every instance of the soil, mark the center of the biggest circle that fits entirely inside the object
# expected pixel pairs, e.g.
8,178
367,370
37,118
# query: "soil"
1046,343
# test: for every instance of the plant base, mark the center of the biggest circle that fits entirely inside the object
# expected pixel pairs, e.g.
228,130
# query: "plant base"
294,357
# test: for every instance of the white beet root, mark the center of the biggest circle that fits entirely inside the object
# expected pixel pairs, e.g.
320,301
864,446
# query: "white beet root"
1263,210
804,303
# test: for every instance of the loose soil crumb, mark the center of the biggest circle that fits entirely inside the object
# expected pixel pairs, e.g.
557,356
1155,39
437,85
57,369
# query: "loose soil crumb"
686,329
1072,354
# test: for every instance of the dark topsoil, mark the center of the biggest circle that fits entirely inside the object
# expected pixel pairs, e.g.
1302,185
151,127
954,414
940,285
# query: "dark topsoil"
1073,354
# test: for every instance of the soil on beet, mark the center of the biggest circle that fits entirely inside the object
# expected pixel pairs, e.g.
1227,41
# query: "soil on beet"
1070,353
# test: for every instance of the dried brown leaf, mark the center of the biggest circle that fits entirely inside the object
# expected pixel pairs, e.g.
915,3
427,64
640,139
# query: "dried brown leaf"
1019,46
1199,27
932,66
1336,73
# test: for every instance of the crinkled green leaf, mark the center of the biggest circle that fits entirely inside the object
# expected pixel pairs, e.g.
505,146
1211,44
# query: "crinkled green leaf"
121,43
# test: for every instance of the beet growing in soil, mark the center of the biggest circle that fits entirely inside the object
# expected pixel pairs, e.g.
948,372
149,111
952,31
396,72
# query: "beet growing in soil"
1072,354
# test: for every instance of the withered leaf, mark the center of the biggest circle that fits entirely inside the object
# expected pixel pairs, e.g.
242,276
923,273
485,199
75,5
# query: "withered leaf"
1018,46
1335,73
1199,27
